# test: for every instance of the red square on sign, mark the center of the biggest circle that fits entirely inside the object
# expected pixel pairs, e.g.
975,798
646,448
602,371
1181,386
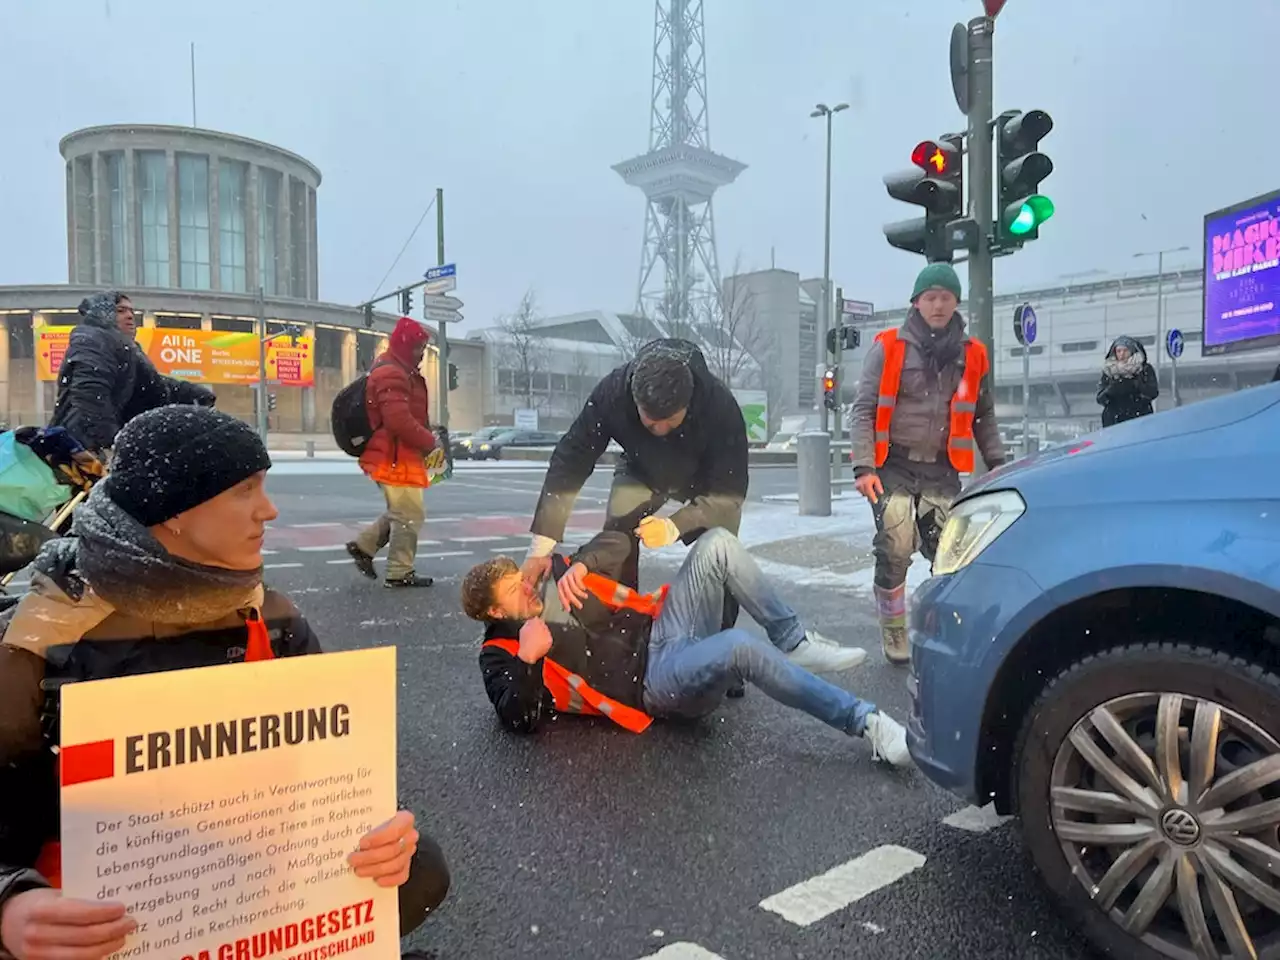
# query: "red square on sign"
85,762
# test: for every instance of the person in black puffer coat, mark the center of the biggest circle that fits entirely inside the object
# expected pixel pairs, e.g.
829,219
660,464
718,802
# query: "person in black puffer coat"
1128,385
106,380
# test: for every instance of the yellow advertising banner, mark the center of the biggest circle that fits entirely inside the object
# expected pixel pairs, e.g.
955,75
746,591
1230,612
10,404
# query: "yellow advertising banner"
201,356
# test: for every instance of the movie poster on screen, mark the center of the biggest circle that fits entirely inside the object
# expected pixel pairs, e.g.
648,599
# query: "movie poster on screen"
1242,276
220,805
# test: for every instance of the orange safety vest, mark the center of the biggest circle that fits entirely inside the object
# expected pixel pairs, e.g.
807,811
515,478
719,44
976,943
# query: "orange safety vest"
960,442
49,861
569,691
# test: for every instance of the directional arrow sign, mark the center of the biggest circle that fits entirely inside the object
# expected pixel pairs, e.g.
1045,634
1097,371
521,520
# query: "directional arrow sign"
441,314
441,279
441,302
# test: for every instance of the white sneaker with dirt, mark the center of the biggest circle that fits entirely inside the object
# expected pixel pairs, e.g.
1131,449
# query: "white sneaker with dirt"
818,654
888,739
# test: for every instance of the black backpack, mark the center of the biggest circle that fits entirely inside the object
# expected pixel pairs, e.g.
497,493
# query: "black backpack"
349,418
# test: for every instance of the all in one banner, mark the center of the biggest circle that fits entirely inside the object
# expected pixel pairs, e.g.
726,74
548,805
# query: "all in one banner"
201,356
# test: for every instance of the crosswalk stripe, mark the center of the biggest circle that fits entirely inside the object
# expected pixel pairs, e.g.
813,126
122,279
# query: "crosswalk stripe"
280,566
808,902
489,539
683,951
325,549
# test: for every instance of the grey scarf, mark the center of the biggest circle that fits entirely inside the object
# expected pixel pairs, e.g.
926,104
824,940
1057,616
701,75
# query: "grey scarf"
1125,369
126,566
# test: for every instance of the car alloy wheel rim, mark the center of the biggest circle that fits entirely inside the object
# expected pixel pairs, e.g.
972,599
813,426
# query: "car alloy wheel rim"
1167,809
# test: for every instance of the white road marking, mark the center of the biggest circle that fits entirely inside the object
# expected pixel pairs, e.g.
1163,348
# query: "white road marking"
492,516
269,553
502,549
808,902
446,519
280,566
446,553
683,951
489,539
976,819
331,547
313,526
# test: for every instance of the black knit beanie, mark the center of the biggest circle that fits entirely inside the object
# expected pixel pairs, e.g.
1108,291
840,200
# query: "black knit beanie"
171,459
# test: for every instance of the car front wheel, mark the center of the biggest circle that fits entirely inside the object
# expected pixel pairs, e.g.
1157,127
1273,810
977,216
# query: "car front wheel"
1148,783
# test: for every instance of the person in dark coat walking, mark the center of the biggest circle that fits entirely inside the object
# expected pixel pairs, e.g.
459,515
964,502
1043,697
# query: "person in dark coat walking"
1128,385
106,380
683,438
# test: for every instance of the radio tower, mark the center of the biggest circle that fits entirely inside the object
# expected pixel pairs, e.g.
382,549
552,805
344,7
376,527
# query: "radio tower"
679,273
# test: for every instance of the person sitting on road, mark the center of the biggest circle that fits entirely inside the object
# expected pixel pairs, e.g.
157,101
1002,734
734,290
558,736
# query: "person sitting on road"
595,646
162,571
105,379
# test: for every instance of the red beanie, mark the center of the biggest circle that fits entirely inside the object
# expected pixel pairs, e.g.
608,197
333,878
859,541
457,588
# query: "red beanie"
406,338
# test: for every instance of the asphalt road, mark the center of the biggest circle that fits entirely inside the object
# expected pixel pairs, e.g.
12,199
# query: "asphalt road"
587,842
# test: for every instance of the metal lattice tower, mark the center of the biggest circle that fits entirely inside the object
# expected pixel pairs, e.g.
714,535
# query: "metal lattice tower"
679,176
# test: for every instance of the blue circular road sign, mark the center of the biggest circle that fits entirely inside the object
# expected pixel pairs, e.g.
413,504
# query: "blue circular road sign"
1024,324
1175,343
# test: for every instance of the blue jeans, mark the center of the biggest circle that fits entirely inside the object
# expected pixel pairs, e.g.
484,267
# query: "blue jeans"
692,663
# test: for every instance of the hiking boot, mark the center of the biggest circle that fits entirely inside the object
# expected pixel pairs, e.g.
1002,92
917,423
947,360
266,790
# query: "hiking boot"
891,606
410,579
888,739
818,654
364,562
895,643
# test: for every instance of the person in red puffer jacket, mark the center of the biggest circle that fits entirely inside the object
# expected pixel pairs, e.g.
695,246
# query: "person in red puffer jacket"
395,458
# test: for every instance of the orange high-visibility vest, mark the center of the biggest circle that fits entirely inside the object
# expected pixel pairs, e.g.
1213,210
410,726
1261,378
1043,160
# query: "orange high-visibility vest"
49,861
569,691
964,404
572,694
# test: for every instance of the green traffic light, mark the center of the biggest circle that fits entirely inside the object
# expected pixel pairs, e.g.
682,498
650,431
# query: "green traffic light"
1035,210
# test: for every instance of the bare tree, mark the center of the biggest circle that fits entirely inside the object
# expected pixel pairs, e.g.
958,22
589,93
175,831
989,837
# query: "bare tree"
740,344
581,383
523,350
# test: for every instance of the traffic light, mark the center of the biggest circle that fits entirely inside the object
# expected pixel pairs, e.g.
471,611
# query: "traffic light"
453,376
406,303
1020,166
368,316
271,403
936,183
845,337
829,398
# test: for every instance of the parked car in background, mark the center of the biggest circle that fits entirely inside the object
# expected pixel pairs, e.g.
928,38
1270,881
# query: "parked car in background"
491,448
1098,652
460,446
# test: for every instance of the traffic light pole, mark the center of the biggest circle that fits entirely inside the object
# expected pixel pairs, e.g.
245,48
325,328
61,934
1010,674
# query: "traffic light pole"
837,427
824,315
981,316
442,356
261,305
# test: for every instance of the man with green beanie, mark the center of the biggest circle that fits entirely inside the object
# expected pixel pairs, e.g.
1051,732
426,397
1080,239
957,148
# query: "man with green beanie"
924,403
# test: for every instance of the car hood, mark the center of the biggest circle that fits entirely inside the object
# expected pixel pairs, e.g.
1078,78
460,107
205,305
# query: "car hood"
1178,423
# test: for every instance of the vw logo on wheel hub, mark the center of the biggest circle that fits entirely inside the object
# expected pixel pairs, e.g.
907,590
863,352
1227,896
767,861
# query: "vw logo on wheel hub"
1180,826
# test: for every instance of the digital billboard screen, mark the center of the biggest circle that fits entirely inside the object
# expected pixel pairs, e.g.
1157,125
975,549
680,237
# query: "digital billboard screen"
1242,276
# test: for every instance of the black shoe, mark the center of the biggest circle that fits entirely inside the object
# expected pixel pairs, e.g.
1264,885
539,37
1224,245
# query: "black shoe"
364,562
736,692
409,580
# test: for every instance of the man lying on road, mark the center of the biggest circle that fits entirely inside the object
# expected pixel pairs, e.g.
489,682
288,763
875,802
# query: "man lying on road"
598,647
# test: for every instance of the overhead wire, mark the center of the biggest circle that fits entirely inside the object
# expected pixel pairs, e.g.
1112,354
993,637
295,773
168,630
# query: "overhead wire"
396,261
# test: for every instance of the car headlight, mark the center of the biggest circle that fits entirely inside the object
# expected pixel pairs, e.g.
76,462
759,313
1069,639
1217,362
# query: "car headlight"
973,526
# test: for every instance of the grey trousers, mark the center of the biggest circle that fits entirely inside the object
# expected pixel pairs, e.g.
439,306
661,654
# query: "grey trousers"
910,515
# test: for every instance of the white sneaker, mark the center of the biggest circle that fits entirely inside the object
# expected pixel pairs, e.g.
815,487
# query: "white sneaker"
818,654
888,739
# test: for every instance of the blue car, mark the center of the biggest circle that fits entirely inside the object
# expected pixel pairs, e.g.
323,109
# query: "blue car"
1098,652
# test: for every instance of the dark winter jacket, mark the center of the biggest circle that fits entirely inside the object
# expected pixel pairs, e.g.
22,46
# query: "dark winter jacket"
921,424
608,648
1126,390
62,632
106,380
703,462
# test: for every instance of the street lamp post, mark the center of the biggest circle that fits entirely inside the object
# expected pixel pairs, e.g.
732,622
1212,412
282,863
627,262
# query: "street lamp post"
824,315
1159,346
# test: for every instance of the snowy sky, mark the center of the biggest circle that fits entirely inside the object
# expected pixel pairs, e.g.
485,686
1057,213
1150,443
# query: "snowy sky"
518,108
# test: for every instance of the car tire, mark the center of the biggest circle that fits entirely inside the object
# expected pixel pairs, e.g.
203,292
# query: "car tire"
1193,671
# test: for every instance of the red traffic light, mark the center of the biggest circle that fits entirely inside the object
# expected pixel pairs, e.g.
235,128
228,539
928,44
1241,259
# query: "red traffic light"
932,158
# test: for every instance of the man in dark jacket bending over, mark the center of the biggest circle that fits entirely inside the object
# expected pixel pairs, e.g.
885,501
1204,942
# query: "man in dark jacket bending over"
683,438
106,380
592,646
